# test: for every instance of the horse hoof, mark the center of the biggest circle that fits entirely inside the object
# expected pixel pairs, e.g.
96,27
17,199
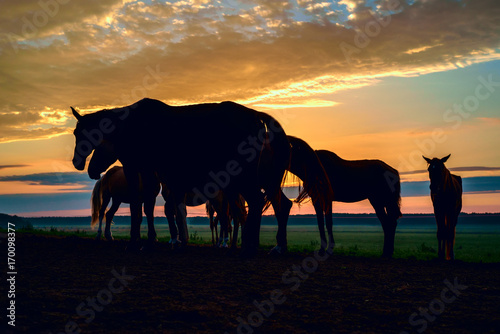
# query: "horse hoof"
175,244
278,250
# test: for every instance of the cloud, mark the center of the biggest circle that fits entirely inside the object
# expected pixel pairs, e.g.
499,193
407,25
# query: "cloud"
480,184
457,169
53,179
113,53
12,166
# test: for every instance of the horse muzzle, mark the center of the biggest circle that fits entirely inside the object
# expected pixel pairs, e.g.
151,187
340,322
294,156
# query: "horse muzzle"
94,176
79,164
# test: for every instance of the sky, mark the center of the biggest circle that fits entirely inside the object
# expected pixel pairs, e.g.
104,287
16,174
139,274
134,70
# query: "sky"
380,79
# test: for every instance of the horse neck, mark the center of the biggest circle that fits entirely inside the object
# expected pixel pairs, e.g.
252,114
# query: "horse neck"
446,180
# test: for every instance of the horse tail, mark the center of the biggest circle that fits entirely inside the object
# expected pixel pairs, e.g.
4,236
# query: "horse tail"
394,209
96,202
306,165
277,147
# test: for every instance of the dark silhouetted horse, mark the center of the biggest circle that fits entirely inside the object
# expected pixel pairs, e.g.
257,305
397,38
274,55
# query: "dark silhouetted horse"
111,187
306,165
446,195
115,186
104,156
354,181
231,233
248,154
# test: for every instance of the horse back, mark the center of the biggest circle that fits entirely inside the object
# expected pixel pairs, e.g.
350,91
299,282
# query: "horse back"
457,183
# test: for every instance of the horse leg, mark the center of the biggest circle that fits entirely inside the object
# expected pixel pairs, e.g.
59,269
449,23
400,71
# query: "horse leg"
150,189
169,209
321,226
216,229
149,207
250,231
329,227
180,219
230,230
132,176
237,208
450,236
211,219
223,229
281,208
234,241
441,235
109,219
388,227
105,201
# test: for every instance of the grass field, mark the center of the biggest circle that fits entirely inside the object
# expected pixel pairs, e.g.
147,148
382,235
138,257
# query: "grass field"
415,241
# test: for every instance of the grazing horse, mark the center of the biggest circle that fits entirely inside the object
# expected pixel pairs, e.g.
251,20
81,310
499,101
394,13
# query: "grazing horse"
446,195
112,186
306,165
354,181
152,139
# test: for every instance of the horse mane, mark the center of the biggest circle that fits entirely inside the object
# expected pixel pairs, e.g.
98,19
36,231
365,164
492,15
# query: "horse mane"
306,165
279,144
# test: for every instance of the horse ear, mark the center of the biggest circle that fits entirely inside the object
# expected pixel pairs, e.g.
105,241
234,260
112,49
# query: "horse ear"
443,160
427,159
76,114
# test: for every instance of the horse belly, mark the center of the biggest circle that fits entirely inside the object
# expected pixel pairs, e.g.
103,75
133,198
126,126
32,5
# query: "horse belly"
206,151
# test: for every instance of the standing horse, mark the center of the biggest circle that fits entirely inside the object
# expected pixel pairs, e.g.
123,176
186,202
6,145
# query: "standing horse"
306,165
354,181
222,207
446,195
112,186
249,156
115,182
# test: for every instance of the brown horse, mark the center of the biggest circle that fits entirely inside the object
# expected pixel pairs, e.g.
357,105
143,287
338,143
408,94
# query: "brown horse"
231,234
111,187
354,181
446,195
250,155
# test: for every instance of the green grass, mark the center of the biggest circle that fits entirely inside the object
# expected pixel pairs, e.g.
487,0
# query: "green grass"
469,247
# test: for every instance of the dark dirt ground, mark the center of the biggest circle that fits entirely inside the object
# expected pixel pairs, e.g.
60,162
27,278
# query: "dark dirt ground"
206,290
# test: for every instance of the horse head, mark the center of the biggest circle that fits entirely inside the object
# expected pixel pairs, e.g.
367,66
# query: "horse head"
104,156
88,135
437,172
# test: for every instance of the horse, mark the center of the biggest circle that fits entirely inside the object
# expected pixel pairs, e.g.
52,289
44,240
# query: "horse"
214,221
112,186
231,234
354,181
103,157
306,165
446,195
152,139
